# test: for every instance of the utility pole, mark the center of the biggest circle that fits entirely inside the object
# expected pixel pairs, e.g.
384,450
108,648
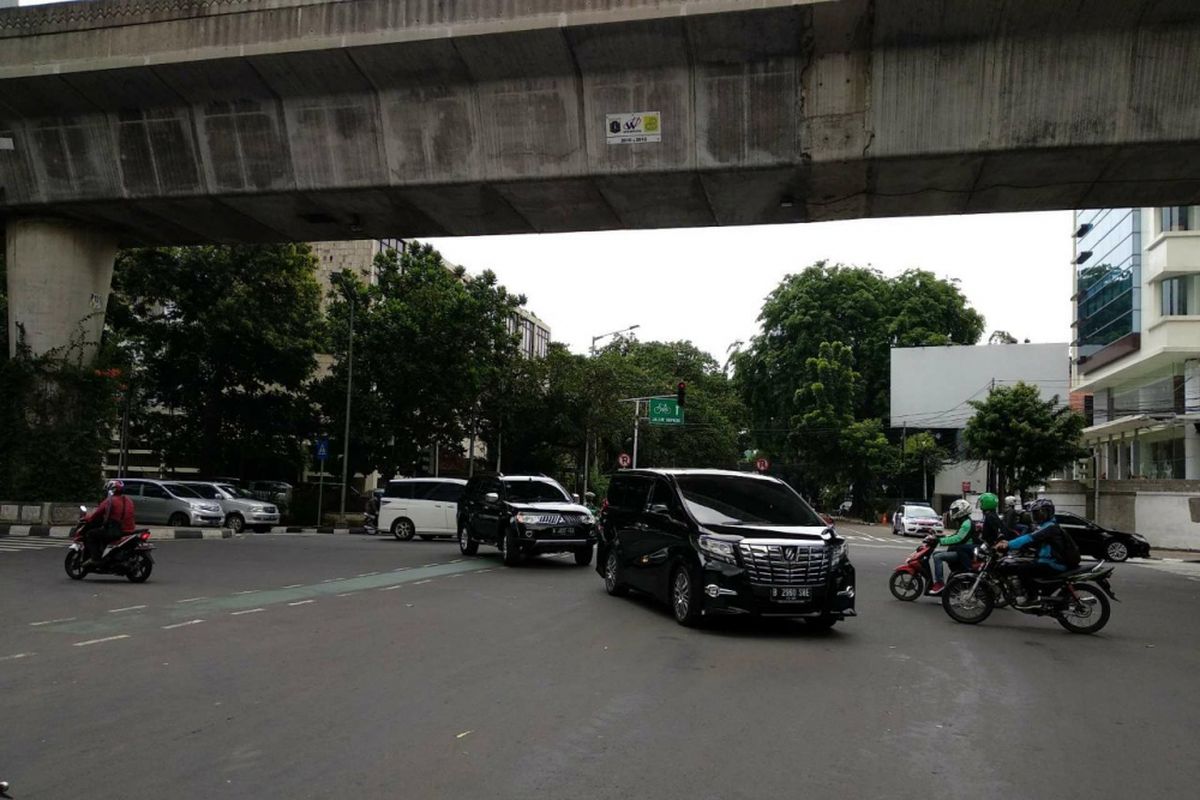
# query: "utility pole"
349,384
637,409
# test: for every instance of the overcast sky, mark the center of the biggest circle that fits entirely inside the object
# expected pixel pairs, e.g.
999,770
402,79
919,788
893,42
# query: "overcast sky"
707,285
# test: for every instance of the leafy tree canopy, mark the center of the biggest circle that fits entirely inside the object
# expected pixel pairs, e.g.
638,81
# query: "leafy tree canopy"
1025,437
221,341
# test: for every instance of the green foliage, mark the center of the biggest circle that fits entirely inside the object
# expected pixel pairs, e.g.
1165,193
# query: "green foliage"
923,459
56,420
3,306
432,348
1025,437
221,342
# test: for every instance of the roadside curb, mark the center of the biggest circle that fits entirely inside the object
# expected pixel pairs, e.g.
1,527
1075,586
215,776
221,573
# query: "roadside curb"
322,529
64,532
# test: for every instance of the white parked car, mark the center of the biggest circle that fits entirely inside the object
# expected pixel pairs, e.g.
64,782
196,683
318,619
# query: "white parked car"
242,510
916,519
425,507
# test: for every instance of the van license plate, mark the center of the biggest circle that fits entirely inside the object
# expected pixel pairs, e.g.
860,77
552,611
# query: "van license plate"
790,594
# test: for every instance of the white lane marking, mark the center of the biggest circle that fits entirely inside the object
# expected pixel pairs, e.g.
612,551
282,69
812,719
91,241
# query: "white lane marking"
489,569
247,591
427,580
105,639
430,565
464,733
365,574
302,602
247,611
346,594
126,608
456,575
52,621
182,624
16,656
293,586
389,588
456,561
191,600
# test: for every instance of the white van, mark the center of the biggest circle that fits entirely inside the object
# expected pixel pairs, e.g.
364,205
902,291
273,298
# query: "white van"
425,507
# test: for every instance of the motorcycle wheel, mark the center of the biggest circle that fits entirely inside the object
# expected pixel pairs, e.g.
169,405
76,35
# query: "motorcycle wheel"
962,604
1088,614
74,565
906,586
140,568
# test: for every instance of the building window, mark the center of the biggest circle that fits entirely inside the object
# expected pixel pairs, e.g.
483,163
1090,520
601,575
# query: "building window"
1175,298
1177,218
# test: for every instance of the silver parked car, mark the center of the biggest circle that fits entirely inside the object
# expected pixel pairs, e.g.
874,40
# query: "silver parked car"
171,503
242,509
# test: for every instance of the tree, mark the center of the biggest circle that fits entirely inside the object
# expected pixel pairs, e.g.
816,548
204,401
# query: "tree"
433,355
863,310
923,454
221,342
1001,337
1024,437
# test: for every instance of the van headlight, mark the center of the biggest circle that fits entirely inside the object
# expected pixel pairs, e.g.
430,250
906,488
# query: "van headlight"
841,551
719,549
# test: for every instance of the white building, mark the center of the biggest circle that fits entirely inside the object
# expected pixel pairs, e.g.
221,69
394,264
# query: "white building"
932,387
1137,354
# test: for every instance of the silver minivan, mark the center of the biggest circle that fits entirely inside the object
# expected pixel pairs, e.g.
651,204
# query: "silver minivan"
170,503
242,509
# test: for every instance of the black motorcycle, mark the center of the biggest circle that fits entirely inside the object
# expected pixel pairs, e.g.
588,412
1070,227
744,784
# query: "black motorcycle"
1077,599
128,556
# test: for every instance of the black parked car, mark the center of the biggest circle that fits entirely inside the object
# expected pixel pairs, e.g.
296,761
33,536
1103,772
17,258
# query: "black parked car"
717,542
523,515
1099,542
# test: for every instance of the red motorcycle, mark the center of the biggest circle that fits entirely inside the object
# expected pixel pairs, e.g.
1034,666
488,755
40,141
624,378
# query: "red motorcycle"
128,556
914,577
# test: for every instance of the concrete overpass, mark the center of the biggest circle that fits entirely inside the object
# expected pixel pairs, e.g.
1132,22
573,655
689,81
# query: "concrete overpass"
152,121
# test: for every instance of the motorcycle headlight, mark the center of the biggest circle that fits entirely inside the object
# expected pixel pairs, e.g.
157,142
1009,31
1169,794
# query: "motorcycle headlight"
718,549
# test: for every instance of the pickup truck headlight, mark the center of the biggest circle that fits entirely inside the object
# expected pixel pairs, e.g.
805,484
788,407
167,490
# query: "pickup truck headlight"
841,551
719,549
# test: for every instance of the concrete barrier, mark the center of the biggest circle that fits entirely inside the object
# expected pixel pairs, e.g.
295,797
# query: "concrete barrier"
64,532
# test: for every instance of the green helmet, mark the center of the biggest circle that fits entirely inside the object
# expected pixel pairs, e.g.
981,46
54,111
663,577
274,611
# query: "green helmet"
989,501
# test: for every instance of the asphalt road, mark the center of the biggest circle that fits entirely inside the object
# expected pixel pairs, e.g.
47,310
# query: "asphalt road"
356,667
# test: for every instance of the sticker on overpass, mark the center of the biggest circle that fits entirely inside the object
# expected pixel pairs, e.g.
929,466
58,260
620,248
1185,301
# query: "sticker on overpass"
635,128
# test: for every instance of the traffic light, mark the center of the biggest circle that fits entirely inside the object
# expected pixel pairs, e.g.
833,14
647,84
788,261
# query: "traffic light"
680,393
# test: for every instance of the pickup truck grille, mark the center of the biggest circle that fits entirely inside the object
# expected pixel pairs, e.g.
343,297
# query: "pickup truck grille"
790,564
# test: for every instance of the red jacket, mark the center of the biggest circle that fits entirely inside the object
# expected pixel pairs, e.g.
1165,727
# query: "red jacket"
117,508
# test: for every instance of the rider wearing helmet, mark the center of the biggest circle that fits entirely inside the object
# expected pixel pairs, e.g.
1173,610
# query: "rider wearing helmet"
109,521
1014,516
960,545
993,526
1053,554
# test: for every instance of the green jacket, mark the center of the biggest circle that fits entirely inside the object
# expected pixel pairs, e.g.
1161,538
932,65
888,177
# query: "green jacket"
963,534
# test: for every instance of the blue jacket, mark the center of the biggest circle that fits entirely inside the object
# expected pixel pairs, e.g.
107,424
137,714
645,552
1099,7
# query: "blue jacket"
1042,537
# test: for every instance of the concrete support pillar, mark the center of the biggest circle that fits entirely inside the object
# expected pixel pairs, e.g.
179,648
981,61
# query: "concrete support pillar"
1122,459
59,277
1191,405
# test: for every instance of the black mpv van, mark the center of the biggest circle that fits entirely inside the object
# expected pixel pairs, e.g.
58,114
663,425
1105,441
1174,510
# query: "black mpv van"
716,542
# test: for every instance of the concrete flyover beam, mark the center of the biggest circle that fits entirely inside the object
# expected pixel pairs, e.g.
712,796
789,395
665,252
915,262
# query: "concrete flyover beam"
59,276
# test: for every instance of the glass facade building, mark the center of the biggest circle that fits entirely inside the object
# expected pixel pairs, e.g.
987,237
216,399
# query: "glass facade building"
1108,263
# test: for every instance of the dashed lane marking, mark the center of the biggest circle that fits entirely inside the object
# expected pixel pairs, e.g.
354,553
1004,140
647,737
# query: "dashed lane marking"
52,621
346,594
302,602
293,586
246,591
126,608
427,580
246,611
100,641
389,588
17,656
191,599
182,624
365,574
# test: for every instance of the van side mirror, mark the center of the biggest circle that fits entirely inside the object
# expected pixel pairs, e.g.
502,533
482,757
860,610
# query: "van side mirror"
491,497
660,508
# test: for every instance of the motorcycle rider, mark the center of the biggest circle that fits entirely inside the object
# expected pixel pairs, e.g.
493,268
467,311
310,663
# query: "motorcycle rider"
1014,515
993,526
107,522
1052,555
960,545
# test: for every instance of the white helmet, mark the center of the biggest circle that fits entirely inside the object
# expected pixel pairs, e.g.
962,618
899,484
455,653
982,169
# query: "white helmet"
960,509
1011,502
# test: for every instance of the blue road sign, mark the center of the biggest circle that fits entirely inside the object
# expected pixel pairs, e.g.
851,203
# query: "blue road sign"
322,448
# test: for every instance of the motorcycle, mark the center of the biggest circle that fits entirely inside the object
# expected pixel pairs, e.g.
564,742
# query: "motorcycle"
1077,599
128,556
914,578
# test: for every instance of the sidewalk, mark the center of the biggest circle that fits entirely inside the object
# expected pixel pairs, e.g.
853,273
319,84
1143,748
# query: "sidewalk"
64,532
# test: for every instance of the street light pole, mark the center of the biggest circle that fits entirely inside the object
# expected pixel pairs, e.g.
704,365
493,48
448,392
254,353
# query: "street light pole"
349,385
586,454
611,333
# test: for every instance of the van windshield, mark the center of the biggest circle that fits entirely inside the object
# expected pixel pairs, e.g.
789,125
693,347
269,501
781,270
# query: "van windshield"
205,490
731,500
179,490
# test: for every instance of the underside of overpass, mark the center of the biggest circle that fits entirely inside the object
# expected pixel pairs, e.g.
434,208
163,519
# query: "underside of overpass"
196,121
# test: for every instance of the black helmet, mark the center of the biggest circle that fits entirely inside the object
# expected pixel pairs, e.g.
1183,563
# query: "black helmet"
1041,510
